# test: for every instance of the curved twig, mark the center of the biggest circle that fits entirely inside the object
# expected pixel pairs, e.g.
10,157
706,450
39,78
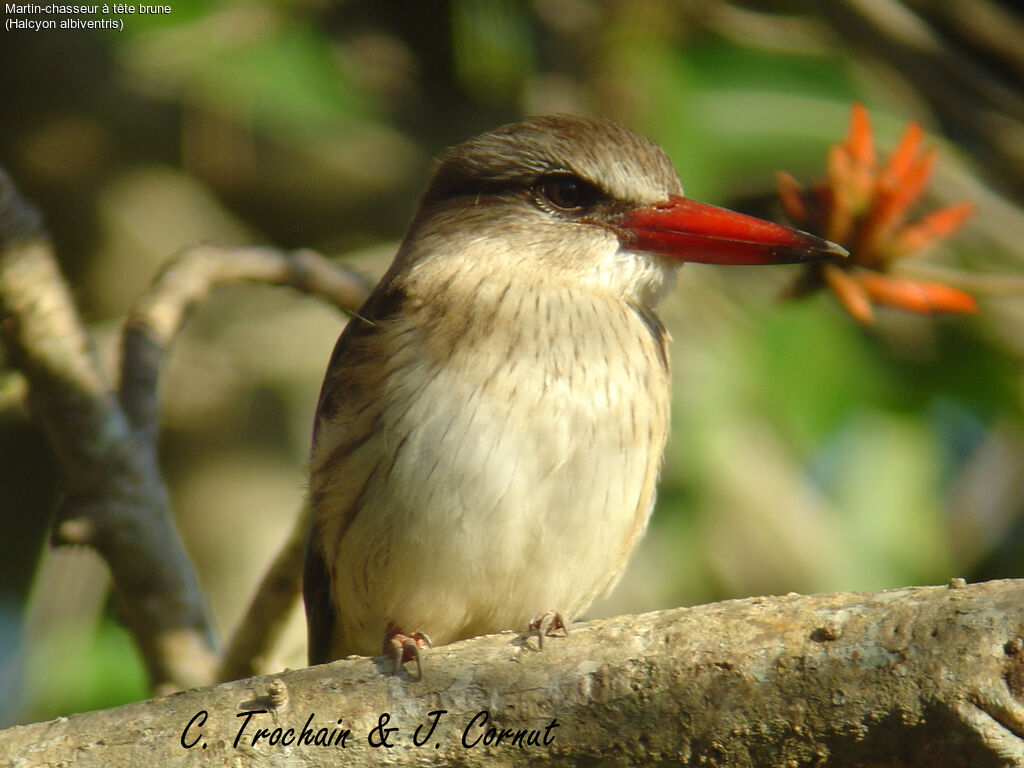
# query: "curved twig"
266,617
187,280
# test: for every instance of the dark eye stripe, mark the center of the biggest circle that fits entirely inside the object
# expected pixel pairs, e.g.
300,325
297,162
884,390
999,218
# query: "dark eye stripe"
557,191
566,192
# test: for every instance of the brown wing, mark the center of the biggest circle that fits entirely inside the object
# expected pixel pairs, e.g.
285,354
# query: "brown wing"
349,393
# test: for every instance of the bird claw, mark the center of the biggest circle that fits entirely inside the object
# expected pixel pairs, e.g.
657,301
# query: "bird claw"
546,623
403,648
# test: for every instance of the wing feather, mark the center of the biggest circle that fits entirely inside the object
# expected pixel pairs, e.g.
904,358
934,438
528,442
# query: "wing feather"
347,417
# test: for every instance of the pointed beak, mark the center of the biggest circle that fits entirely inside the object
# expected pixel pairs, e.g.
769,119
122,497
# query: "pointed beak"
690,231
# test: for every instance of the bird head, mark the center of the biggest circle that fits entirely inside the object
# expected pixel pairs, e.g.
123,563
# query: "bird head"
590,201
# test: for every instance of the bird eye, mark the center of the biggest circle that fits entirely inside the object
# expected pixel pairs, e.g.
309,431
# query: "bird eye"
566,192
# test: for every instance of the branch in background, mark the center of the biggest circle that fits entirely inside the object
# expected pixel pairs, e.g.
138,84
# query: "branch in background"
783,33
115,498
919,676
991,30
264,620
187,280
149,331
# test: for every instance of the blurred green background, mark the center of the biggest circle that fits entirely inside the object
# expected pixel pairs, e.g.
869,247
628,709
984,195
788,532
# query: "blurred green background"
808,453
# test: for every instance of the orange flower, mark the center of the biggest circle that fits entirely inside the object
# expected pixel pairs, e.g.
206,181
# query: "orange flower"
863,207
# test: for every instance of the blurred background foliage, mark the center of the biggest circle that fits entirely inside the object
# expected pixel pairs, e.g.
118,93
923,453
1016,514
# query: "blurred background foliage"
808,453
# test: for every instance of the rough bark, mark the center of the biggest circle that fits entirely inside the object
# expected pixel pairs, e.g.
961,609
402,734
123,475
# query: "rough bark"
922,676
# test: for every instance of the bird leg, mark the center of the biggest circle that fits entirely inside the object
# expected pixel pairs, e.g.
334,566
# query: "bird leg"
546,623
403,648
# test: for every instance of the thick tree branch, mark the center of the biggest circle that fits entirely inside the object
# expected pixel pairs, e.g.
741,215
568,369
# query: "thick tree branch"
115,498
908,677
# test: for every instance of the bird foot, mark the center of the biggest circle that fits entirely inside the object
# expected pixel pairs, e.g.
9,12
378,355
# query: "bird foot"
546,623
403,648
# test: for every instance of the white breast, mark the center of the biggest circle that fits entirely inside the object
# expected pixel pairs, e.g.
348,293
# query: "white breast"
511,471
